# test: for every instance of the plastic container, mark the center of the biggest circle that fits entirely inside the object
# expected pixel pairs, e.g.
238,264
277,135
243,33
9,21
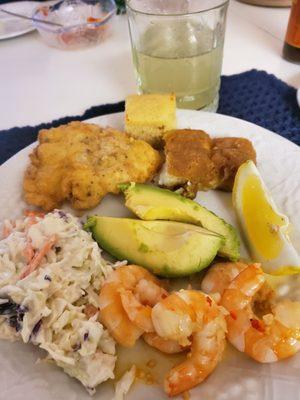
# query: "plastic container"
84,22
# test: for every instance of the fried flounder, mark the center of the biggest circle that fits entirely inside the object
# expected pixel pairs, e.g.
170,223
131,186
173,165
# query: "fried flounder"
228,154
82,163
188,155
195,161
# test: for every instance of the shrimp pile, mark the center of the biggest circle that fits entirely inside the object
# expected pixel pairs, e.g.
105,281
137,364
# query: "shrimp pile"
133,303
126,300
192,319
274,336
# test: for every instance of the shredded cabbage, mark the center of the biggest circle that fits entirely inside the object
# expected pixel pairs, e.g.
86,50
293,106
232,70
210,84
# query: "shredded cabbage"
47,307
125,383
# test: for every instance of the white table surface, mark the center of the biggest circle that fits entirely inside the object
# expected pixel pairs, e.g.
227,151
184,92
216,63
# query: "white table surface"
39,83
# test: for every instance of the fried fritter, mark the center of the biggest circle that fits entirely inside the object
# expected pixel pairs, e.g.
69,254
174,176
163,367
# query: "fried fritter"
195,162
82,163
188,159
228,154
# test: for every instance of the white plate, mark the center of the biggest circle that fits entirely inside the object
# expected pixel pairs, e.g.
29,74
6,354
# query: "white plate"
236,376
11,26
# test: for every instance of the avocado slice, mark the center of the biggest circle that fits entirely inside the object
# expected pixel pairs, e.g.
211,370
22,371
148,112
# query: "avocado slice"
153,203
166,248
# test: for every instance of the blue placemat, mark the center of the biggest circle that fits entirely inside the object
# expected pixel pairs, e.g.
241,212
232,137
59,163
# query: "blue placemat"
254,96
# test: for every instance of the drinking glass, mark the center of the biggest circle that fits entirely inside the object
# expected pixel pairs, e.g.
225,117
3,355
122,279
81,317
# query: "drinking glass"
177,47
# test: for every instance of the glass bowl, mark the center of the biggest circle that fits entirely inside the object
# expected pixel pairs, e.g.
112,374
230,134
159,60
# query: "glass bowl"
84,22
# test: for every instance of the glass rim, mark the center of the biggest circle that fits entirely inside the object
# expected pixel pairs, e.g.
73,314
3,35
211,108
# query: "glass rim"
155,14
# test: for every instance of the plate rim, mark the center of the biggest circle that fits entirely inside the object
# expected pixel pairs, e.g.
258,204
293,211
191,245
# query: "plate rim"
251,124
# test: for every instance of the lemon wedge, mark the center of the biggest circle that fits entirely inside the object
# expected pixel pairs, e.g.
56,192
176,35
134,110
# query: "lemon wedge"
264,227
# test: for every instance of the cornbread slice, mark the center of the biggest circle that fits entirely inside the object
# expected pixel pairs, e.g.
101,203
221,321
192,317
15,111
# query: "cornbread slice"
149,116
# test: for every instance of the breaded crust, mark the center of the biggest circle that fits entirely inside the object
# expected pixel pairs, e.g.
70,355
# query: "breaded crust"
195,162
82,163
228,154
188,155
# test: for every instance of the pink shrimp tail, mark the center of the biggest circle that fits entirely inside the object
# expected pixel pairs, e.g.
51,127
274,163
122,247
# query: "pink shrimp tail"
187,375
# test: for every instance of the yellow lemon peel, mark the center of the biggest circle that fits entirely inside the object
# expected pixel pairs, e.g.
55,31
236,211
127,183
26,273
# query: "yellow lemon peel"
266,229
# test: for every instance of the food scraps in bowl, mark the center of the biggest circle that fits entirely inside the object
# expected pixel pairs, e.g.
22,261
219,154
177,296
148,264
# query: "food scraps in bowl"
83,22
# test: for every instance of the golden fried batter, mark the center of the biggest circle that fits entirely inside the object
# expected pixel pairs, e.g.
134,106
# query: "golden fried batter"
228,154
82,163
195,162
188,155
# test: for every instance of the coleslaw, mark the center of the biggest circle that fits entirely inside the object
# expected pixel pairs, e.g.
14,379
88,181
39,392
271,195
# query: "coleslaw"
51,272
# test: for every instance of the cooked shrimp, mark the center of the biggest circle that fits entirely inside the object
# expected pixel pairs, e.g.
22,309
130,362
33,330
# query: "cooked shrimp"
167,346
137,312
220,275
114,317
173,319
138,303
196,315
124,305
274,336
150,291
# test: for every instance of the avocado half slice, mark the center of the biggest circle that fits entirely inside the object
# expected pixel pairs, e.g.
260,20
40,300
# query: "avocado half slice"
166,248
153,203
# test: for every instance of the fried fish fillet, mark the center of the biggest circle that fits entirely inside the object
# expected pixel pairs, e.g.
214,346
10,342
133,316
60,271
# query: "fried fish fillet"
228,154
188,161
82,163
194,161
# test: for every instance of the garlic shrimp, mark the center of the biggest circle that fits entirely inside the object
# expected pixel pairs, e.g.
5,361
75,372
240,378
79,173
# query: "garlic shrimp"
126,300
268,339
199,319
220,275
166,346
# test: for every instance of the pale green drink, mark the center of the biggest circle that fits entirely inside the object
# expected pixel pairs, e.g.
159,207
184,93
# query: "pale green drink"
177,47
180,58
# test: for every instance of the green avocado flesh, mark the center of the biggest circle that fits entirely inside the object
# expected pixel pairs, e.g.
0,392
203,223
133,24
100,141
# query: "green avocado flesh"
166,248
153,203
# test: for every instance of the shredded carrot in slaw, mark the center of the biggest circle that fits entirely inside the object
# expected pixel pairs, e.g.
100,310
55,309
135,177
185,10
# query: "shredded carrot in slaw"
33,213
90,310
29,251
6,232
37,258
